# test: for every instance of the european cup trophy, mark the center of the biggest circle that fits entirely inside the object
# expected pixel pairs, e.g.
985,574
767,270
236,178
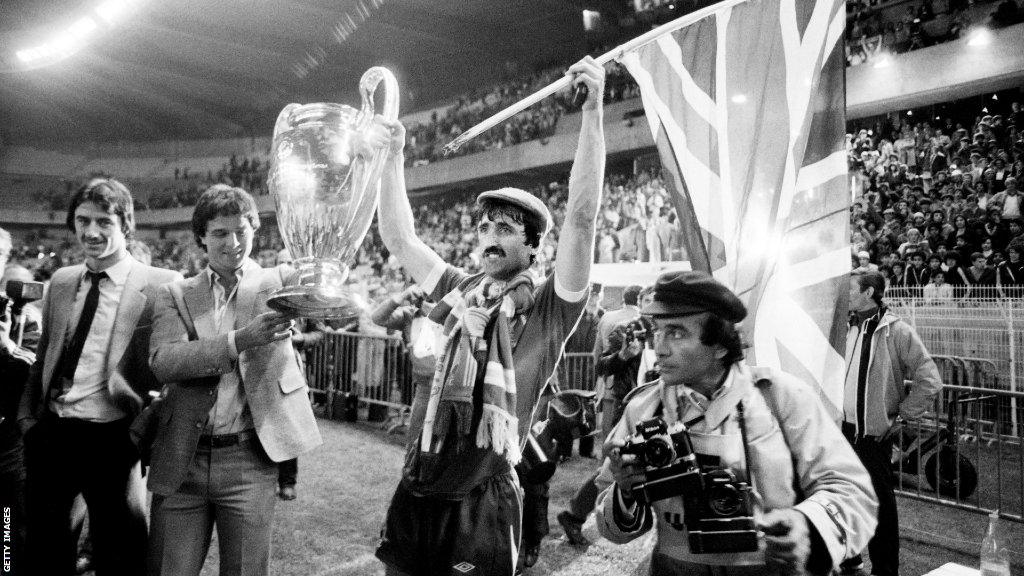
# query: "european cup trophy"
325,181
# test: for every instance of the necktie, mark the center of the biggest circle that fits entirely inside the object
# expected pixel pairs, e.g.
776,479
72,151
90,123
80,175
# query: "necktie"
69,363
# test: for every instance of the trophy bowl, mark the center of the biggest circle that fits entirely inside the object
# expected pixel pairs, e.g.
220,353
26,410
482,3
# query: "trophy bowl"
325,181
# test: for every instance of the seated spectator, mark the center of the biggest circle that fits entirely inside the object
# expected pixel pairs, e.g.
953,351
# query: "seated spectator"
980,273
1010,272
864,263
937,291
916,275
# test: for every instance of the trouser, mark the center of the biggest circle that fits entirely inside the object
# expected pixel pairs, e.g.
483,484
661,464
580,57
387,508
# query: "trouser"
535,512
884,547
288,472
65,457
232,487
583,501
12,500
478,535
611,411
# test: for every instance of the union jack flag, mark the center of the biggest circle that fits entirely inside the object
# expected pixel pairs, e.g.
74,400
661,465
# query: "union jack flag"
747,107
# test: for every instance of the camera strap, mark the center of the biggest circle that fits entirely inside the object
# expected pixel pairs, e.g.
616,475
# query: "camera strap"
741,419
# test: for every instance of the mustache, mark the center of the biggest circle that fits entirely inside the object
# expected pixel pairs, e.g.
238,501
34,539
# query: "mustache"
497,250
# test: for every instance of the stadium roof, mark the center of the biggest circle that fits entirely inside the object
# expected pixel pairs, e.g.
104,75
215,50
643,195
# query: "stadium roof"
177,69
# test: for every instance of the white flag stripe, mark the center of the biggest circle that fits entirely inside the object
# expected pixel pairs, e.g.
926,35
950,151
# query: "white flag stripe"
701,182
631,60
794,276
802,337
727,197
697,98
835,32
814,175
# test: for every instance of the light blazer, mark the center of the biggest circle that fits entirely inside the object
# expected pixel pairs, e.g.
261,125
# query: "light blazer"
129,378
275,388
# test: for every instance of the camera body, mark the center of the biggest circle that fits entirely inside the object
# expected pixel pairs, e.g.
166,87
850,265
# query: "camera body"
635,330
717,509
22,293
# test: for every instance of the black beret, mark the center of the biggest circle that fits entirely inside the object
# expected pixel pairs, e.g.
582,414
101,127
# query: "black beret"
691,292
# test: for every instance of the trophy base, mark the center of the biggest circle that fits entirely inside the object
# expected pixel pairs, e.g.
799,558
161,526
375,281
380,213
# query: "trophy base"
312,302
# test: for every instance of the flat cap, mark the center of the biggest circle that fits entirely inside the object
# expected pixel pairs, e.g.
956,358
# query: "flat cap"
522,199
690,292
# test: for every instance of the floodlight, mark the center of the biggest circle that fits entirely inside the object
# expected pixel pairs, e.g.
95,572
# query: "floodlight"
981,37
113,10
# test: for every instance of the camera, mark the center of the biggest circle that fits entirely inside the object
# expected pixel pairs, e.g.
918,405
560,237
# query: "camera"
717,510
21,293
634,330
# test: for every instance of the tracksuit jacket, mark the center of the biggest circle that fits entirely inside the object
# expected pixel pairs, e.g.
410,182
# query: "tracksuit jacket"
895,355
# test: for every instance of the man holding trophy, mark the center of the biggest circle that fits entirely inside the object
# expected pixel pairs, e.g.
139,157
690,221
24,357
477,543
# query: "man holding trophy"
458,505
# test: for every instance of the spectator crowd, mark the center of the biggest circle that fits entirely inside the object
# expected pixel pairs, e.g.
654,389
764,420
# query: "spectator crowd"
878,27
937,203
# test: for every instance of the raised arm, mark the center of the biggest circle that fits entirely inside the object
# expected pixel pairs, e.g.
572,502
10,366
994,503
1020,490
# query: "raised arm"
576,238
394,214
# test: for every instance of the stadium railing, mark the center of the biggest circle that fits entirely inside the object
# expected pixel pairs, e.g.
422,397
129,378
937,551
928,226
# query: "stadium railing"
984,322
968,453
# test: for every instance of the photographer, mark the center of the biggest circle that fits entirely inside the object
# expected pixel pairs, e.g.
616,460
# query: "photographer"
15,362
626,361
753,449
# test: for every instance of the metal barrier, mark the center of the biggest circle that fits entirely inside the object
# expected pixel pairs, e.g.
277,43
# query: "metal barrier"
968,454
576,371
376,368
984,322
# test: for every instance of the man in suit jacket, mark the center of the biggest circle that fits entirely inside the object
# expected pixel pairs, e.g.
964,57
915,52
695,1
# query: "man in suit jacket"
90,380
236,405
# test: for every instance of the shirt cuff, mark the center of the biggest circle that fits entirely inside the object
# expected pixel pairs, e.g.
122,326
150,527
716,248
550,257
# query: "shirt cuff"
232,349
568,295
430,282
628,510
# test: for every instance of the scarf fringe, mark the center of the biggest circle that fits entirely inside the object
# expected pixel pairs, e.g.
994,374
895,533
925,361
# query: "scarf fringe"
500,431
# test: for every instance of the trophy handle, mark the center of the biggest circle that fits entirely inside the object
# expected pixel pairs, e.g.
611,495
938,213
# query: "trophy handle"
368,85
282,123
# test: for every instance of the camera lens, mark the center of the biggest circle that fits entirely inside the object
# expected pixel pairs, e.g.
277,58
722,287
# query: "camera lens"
658,452
723,499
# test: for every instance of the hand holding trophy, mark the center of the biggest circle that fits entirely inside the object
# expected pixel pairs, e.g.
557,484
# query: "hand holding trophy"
325,180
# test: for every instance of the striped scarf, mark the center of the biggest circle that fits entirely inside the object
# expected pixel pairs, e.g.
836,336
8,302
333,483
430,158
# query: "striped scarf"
450,409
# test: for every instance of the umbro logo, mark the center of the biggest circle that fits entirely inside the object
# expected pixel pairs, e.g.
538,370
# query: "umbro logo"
463,567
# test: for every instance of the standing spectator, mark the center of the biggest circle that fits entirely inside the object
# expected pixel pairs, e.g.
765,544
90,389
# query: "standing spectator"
228,362
629,311
406,313
1009,199
882,352
87,385
15,362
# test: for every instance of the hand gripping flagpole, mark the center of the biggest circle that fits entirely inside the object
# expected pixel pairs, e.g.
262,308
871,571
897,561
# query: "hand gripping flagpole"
565,81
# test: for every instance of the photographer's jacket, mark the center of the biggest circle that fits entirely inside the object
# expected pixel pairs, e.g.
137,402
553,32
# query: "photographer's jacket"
798,458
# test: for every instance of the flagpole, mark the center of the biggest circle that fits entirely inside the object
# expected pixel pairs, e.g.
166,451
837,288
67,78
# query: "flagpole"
565,81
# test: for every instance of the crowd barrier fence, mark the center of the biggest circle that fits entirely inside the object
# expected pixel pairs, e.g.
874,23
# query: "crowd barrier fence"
967,453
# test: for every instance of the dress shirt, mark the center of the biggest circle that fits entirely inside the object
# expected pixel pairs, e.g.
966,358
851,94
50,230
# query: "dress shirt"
230,411
88,397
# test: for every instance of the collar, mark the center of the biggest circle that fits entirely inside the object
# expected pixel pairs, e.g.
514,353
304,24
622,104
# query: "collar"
212,277
719,407
118,273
